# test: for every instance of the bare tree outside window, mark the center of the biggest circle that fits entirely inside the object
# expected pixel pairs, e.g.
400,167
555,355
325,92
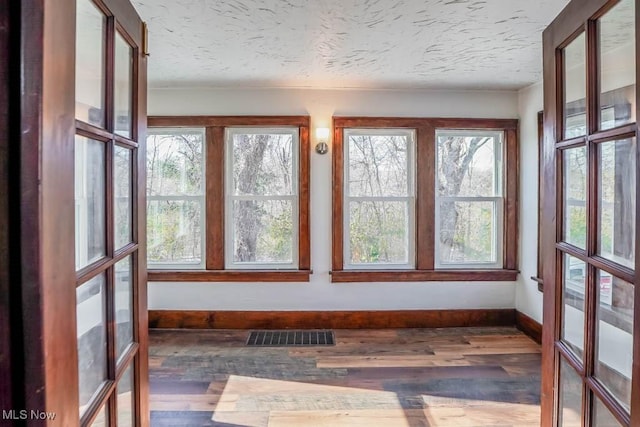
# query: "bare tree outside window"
175,197
469,198
432,197
380,197
261,197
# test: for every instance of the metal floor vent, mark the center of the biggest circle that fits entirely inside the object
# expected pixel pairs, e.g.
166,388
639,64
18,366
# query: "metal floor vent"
290,338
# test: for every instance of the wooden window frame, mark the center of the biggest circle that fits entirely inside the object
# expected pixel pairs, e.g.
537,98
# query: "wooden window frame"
214,255
425,201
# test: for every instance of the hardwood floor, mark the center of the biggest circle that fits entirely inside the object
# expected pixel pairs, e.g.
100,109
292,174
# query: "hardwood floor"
462,377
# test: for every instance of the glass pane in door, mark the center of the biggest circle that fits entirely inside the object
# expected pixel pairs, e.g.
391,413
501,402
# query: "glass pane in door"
617,201
602,417
570,396
125,398
614,323
124,305
575,196
90,59
575,88
573,294
123,87
90,201
92,338
617,65
101,419
122,188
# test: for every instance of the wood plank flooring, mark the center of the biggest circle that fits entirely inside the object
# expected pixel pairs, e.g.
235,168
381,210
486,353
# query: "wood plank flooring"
455,377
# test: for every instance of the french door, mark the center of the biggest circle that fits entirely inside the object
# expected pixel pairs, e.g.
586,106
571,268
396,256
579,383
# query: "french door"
591,343
110,120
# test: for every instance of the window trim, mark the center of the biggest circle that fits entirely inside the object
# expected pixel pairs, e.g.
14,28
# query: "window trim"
425,150
214,252
410,198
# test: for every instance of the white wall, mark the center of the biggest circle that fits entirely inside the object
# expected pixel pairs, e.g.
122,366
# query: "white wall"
320,293
528,298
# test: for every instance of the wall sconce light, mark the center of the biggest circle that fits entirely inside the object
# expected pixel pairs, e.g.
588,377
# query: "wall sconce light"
322,135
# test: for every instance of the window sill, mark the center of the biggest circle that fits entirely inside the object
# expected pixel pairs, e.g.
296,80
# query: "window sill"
228,275
349,276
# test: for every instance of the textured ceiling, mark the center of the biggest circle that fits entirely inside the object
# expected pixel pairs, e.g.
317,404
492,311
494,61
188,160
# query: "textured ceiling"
392,44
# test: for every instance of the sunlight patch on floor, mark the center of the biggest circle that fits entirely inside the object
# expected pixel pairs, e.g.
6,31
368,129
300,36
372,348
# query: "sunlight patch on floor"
259,402
450,412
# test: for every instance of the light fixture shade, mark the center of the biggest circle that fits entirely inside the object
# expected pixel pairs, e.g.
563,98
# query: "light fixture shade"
322,134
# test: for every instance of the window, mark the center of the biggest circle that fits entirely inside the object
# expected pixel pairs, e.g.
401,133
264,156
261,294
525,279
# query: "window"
175,198
469,202
261,200
379,198
228,198
424,199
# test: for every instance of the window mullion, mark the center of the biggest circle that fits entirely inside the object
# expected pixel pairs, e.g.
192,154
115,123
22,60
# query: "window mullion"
379,198
469,199
176,198
261,197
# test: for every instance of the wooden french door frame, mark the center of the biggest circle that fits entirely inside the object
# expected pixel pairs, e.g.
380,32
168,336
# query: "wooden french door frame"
576,17
38,127
122,23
